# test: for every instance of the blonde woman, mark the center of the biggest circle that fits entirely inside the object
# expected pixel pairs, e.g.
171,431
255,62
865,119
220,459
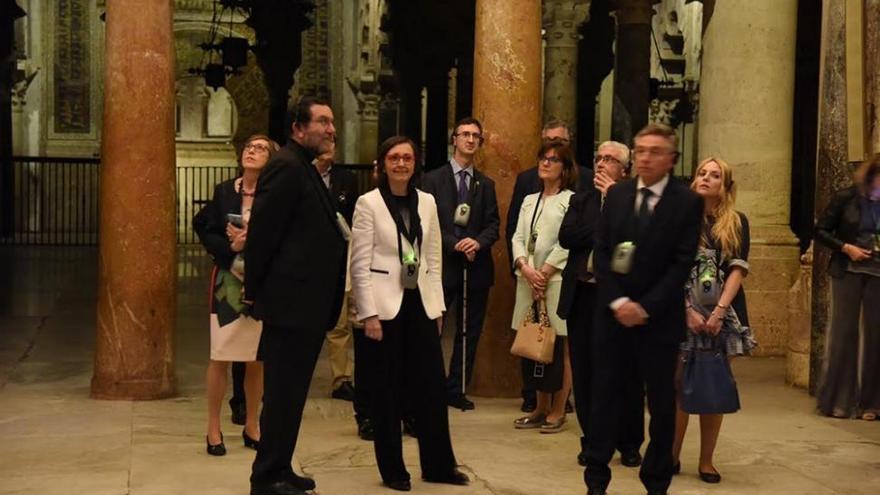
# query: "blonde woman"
715,302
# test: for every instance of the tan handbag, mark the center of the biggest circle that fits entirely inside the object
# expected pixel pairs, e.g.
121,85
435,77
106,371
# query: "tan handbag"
535,338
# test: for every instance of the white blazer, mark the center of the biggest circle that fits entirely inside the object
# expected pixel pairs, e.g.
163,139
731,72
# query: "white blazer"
375,263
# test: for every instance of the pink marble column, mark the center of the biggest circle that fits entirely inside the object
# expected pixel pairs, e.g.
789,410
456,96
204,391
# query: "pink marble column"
507,99
134,355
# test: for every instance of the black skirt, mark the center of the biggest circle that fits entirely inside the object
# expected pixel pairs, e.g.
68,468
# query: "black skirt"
545,377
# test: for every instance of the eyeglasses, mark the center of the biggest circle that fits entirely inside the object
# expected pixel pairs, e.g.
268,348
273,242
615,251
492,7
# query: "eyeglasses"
405,159
261,148
468,135
606,158
550,159
637,151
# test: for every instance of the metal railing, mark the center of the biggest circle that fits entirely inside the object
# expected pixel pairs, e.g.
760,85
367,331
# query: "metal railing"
56,200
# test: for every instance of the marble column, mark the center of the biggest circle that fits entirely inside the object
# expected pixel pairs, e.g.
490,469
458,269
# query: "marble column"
137,259
562,18
746,107
368,138
632,68
833,172
507,100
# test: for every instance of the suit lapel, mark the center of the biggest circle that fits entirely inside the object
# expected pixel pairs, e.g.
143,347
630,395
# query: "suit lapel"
322,192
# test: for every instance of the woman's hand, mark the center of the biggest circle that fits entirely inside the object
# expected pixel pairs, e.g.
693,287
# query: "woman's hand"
237,237
695,321
855,253
713,324
536,279
373,328
548,270
537,295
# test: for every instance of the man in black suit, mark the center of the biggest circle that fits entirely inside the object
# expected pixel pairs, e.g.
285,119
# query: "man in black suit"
295,259
468,235
577,302
527,183
646,242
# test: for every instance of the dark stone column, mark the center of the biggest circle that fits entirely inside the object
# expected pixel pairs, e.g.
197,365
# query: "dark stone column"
632,69
137,262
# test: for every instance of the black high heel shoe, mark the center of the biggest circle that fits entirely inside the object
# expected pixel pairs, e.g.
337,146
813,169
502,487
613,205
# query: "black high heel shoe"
248,441
710,477
216,450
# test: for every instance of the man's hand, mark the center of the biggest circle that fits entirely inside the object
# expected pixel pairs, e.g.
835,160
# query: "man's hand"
855,253
695,321
603,182
631,314
468,246
373,328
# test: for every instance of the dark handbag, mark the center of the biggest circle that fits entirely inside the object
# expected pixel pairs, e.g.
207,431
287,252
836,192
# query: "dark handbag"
708,386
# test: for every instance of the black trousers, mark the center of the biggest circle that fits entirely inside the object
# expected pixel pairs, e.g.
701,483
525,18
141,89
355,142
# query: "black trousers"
618,351
237,384
632,413
362,386
476,313
289,355
407,364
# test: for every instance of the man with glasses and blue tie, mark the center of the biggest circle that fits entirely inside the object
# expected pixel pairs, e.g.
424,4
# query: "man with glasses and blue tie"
468,211
646,241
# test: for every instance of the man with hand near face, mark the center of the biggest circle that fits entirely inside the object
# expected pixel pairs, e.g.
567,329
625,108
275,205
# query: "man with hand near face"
468,211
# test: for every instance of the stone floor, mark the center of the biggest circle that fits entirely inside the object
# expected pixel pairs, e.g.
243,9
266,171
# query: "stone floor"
58,441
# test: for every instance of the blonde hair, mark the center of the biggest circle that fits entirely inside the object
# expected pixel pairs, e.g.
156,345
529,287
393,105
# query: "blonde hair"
728,225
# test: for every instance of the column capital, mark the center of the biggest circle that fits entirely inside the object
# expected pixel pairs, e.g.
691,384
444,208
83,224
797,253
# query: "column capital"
368,105
634,11
561,20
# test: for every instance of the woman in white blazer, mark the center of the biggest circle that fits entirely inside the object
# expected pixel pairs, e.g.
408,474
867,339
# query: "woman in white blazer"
538,260
396,280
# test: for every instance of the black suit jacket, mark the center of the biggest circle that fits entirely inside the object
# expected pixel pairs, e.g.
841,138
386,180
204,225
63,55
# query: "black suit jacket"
210,222
295,255
482,225
343,189
527,182
839,225
577,234
662,262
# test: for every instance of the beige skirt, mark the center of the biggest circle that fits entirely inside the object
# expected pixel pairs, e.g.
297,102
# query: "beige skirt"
235,341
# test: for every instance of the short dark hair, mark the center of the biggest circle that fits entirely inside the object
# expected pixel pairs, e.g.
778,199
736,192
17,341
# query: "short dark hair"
301,112
384,148
273,147
570,172
556,124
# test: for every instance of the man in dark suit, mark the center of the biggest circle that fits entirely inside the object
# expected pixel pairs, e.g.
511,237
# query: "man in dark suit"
467,245
296,261
646,242
527,183
577,302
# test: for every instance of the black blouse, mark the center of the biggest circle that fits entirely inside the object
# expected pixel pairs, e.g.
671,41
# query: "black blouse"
210,222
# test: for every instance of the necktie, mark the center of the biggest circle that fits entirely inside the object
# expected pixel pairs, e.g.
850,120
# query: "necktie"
462,186
462,197
644,211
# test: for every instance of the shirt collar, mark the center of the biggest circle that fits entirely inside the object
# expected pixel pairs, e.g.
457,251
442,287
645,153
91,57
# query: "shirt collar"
456,168
657,188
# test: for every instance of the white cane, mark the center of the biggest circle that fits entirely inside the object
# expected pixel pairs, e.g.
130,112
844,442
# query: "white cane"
464,290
